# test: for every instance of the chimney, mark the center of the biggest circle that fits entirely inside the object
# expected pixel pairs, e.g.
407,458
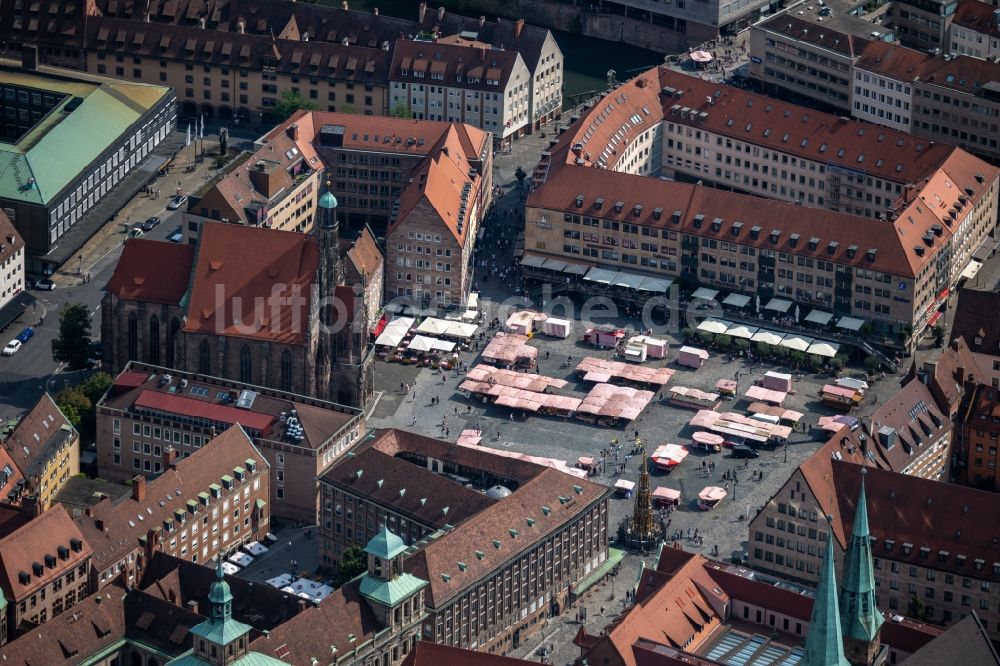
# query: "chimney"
146,17
293,132
241,26
344,5
930,367
482,54
482,22
89,512
375,11
202,23
421,12
139,488
518,27
440,13
29,57
99,524
170,458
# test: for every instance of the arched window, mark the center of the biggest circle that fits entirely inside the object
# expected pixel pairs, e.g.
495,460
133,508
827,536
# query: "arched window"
286,370
204,358
133,337
153,350
175,328
246,366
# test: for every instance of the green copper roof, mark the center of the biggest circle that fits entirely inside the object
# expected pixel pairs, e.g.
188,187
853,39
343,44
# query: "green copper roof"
221,632
858,614
385,544
249,659
327,200
67,139
824,645
220,594
390,592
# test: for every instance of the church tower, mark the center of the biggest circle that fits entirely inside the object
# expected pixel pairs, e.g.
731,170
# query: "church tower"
824,644
860,618
329,242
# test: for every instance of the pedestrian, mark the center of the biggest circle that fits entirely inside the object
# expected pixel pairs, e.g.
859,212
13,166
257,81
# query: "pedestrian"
413,421
402,387
512,417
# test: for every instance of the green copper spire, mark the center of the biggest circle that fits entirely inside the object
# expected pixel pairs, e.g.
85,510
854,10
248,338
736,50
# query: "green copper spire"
824,646
858,615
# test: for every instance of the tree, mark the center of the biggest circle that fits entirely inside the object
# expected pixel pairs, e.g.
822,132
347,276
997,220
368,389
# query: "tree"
938,332
400,110
289,102
72,346
79,404
352,563
520,175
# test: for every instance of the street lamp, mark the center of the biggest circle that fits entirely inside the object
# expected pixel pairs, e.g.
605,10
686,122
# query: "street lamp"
735,483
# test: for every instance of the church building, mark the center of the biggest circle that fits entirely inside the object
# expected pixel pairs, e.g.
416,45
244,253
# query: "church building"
254,305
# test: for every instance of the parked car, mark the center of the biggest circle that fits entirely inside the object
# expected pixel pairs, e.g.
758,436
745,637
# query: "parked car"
744,451
151,224
135,232
177,236
45,284
177,202
26,334
12,347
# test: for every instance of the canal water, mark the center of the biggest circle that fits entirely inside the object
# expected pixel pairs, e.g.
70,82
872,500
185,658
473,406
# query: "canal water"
586,59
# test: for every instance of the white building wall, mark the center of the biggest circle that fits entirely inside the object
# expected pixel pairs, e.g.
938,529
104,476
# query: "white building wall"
11,276
881,100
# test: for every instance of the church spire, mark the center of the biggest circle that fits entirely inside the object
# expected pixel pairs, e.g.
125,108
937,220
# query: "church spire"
824,646
859,616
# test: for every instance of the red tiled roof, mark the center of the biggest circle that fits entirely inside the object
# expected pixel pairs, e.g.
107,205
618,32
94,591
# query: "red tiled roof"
976,16
732,112
365,254
559,192
425,653
153,271
177,404
122,526
247,263
32,543
343,619
958,72
439,183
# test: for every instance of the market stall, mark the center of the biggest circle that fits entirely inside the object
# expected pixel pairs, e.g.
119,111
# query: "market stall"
766,395
776,381
603,336
511,350
608,404
557,328
523,321
668,456
692,357
469,438
394,332
655,347
840,397
710,497
624,488
708,441
635,353
726,387
593,369
682,396
664,496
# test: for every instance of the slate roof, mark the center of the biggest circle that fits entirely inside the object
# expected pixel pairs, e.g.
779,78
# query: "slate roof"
425,653
965,642
976,16
977,320
10,240
465,66
960,73
38,435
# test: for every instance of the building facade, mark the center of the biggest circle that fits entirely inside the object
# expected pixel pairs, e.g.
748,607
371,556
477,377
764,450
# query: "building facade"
915,570
200,508
546,532
975,30
45,570
12,280
287,344
473,84
113,127
152,416
923,24
810,60
276,186
975,322
881,100
45,447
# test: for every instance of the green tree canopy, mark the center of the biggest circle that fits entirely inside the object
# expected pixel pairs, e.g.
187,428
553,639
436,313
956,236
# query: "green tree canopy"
289,102
73,342
352,563
400,110
79,404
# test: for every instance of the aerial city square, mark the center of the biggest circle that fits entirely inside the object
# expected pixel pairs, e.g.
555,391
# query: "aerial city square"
611,333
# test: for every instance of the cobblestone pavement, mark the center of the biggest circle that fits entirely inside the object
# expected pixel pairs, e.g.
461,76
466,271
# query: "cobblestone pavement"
568,439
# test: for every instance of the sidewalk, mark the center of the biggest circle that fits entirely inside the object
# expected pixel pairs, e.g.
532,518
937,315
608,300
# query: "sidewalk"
104,246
